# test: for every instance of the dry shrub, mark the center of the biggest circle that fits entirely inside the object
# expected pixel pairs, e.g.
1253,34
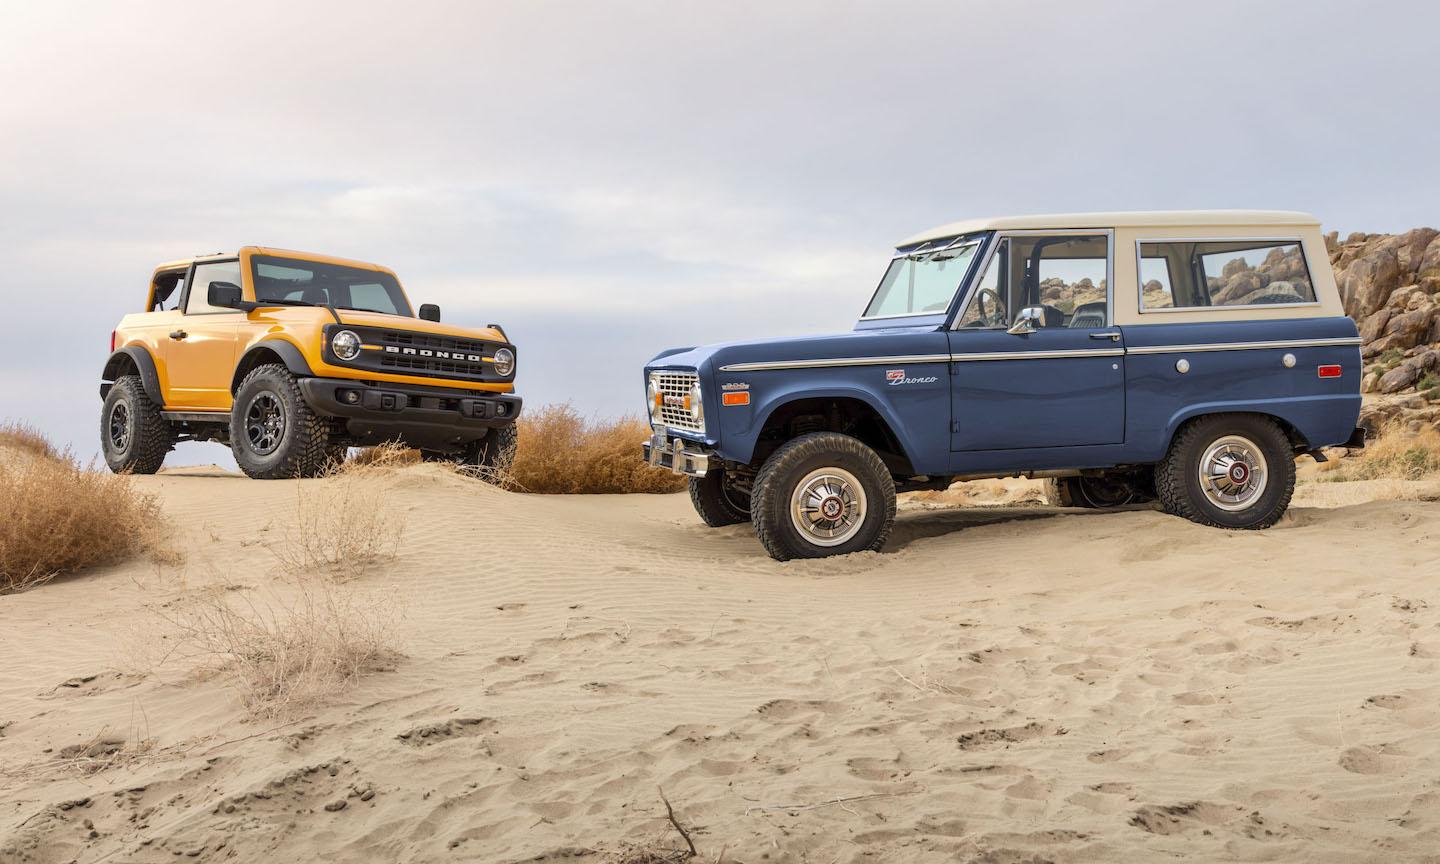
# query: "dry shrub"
26,439
561,452
391,454
57,517
1396,454
341,525
305,640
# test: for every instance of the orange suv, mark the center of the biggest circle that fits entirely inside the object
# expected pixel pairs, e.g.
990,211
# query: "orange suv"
290,358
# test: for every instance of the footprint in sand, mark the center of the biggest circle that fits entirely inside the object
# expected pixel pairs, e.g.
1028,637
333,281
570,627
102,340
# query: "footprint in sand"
1370,760
982,739
1177,818
434,733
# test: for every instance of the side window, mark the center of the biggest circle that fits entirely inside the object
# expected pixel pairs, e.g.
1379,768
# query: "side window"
224,271
168,288
1066,275
987,304
1203,273
1155,290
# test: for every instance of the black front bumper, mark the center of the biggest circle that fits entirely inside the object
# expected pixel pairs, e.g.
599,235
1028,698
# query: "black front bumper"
431,418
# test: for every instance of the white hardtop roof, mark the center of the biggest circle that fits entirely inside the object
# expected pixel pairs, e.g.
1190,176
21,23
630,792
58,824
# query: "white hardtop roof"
1166,218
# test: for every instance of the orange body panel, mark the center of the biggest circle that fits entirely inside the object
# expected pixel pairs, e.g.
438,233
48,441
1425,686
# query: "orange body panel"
196,371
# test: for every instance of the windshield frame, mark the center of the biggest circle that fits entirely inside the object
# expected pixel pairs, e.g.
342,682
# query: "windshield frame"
377,275
924,249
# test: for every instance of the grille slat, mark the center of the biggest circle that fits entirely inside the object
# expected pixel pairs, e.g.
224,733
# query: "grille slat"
677,384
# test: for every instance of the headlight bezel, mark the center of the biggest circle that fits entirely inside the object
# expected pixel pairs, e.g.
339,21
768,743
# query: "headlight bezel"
353,343
652,396
697,403
505,368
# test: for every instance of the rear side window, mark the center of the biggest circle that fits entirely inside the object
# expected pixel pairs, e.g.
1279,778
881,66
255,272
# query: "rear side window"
1190,274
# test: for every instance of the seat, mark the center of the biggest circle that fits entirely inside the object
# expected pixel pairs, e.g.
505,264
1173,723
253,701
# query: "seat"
1088,315
315,297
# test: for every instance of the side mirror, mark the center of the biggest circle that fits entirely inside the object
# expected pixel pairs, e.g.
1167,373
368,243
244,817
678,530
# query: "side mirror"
429,312
225,295
1030,319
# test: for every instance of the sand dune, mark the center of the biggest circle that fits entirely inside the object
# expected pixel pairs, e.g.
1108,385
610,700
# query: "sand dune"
1006,683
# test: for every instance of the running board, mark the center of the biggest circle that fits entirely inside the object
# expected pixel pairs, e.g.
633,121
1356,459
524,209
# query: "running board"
197,416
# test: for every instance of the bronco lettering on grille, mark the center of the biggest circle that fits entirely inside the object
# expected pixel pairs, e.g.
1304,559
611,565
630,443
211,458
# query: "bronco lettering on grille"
441,355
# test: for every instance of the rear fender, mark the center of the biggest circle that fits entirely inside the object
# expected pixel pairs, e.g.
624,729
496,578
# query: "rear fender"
132,359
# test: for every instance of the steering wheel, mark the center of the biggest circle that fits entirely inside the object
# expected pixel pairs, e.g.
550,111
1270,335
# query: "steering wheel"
997,314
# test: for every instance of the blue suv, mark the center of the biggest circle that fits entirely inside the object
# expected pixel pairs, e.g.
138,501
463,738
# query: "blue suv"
1184,356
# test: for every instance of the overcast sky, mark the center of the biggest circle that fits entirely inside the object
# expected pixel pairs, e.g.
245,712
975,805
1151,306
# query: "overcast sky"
607,179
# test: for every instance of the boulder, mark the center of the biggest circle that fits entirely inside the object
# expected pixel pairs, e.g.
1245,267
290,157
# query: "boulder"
1430,260
1412,246
1332,242
1368,283
1397,379
1373,327
1409,329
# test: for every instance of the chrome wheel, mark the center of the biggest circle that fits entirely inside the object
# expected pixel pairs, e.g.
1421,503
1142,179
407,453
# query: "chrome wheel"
264,423
828,506
119,426
1233,473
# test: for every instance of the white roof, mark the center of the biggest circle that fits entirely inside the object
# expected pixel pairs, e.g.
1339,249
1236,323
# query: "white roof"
1166,218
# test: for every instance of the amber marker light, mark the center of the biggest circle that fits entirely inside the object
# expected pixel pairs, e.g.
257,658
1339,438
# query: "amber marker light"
741,398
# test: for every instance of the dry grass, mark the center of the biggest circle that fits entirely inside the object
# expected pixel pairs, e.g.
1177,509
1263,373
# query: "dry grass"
300,642
1396,454
58,517
390,454
26,439
341,525
561,452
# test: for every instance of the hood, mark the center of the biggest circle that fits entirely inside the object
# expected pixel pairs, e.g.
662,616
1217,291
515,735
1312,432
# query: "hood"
878,341
379,319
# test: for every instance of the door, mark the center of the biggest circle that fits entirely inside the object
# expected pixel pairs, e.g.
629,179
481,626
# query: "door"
199,353
1062,385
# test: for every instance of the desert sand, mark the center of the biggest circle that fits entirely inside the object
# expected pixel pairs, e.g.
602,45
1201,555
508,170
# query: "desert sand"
1007,682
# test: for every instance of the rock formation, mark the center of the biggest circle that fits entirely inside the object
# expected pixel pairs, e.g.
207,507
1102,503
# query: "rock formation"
1390,285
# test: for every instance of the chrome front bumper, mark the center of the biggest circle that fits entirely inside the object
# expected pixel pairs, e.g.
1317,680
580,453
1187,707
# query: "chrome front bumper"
676,454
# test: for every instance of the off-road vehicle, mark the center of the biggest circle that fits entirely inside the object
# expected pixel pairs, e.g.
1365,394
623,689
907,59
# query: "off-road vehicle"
290,358
1189,356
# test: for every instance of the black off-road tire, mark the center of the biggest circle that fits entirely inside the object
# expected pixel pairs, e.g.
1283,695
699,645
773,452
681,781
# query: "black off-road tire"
717,503
781,475
304,446
1177,482
494,454
148,436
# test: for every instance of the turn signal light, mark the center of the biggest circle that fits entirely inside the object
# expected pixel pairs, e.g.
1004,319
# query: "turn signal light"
740,398
1328,371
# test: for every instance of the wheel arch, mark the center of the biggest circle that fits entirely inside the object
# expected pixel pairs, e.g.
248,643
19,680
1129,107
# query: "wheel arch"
132,360
848,412
276,351
1298,442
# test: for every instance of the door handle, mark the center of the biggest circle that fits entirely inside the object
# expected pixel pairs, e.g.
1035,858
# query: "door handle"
1108,334
177,335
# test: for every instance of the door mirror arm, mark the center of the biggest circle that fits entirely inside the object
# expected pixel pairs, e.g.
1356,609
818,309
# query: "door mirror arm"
1028,321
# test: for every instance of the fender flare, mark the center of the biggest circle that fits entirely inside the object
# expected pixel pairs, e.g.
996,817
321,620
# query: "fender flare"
290,355
866,397
139,357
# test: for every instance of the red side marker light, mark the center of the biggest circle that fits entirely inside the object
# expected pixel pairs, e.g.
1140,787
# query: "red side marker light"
1328,371
112,341
740,398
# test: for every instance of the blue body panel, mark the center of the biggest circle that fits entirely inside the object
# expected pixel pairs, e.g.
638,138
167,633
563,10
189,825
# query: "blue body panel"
1118,402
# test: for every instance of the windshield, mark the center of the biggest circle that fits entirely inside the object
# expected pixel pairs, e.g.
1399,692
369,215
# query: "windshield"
922,282
292,282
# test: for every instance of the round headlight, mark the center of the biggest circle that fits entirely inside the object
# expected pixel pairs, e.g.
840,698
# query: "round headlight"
504,362
345,344
697,408
652,395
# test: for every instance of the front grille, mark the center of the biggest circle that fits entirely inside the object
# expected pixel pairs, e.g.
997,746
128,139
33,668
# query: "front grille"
401,352
677,384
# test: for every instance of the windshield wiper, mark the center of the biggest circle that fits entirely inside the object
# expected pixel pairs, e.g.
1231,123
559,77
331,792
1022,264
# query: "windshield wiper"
285,303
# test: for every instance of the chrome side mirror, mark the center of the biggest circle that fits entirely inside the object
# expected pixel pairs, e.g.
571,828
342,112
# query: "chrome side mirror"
1028,321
